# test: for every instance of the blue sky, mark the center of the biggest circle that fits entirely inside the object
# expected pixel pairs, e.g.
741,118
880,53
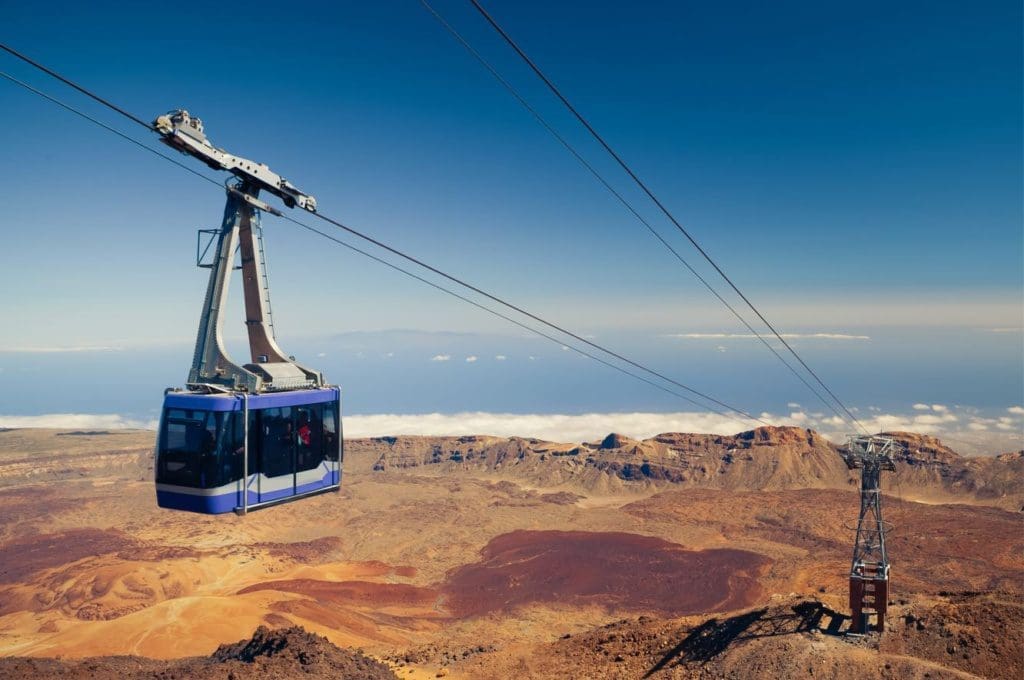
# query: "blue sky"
857,170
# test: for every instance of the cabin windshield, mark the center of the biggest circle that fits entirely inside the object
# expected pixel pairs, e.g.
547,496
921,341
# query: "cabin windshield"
200,449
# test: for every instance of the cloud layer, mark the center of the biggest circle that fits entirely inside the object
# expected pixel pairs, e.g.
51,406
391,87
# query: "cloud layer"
555,427
78,421
963,429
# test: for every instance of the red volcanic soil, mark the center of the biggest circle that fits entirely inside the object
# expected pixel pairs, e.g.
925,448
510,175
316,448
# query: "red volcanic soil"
618,571
28,554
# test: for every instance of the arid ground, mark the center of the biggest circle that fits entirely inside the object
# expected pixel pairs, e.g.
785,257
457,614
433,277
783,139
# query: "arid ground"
479,557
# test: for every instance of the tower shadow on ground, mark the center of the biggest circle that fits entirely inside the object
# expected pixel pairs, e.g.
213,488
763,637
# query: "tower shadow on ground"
713,637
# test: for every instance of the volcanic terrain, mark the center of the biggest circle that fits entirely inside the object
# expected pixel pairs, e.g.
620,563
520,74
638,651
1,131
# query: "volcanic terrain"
682,555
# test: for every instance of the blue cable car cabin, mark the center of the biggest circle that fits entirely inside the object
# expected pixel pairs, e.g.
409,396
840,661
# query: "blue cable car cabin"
242,437
294,449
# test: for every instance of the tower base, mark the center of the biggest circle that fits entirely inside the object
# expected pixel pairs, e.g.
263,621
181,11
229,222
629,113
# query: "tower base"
868,596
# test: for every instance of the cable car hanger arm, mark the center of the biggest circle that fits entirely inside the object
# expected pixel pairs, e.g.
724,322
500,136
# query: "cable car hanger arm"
181,131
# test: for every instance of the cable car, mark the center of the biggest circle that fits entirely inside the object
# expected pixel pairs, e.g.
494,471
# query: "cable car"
286,445
243,437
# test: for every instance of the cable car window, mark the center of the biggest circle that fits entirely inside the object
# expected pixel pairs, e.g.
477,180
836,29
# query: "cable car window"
254,443
231,449
188,450
308,452
330,430
276,441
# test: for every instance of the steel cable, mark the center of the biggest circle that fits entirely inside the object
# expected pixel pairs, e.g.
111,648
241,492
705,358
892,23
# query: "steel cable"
426,266
620,198
551,86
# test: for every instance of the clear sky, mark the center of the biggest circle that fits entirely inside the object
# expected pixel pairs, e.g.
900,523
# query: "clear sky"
856,169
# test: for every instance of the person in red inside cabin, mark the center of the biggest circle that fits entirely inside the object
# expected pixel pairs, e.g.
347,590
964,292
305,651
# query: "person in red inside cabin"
304,431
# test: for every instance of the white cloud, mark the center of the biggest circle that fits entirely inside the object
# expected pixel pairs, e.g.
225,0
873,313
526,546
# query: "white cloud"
793,404
720,348
441,357
932,419
471,359
500,357
921,407
319,354
78,421
751,336
939,408
1016,410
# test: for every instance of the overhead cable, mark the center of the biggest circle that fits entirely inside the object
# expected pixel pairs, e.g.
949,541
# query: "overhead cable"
516,308
629,206
551,86
436,271
87,93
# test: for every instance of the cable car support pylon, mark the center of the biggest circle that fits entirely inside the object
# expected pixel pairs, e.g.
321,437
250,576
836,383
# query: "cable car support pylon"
869,571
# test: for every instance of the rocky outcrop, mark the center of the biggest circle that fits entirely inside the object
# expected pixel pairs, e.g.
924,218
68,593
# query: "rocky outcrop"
274,654
616,441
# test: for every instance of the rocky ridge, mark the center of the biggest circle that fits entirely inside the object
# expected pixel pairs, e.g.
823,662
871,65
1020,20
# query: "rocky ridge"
766,458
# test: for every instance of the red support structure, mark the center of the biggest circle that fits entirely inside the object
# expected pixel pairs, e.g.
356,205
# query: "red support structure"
868,595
